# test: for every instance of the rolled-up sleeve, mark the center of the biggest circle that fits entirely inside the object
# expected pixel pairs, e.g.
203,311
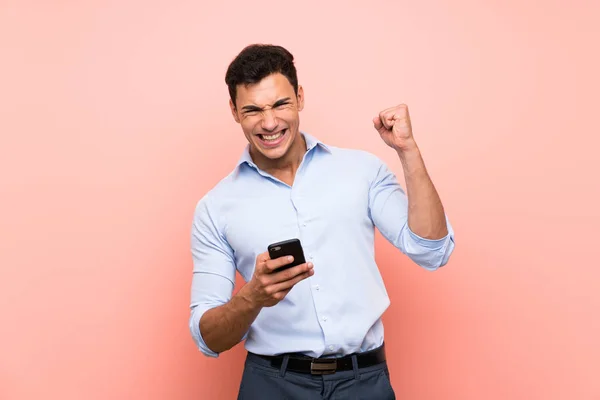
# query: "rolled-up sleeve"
388,206
213,278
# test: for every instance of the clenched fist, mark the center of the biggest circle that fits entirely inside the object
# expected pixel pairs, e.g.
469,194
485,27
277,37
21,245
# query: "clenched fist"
394,127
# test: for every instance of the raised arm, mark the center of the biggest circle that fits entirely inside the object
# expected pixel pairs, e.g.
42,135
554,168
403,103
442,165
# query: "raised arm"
414,221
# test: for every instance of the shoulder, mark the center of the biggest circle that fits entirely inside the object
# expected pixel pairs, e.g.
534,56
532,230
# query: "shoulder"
355,166
208,205
356,158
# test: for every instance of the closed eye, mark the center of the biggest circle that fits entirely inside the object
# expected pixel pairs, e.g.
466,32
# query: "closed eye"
281,103
252,110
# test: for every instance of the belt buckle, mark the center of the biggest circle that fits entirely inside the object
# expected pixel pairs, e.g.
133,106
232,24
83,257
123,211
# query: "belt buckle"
323,366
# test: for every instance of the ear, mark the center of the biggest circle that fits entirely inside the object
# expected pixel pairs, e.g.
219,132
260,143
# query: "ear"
300,98
234,111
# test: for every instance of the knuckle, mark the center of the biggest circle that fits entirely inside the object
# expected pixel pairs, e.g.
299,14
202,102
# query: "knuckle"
263,281
290,273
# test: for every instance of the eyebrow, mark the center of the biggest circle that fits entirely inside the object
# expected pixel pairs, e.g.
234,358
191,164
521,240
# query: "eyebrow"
276,104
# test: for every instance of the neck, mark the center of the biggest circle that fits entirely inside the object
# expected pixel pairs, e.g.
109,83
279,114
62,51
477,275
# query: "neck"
285,167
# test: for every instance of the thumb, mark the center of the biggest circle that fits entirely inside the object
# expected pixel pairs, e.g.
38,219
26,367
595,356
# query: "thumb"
378,124
263,257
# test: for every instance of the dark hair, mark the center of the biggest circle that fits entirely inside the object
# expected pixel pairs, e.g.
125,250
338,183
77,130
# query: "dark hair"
258,61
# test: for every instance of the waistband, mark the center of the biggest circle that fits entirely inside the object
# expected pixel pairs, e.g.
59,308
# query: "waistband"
325,366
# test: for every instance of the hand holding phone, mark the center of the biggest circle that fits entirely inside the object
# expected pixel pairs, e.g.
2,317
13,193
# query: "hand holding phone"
291,247
277,271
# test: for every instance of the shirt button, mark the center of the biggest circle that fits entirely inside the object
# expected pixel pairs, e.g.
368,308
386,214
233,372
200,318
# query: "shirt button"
331,347
317,287
304,224
324,318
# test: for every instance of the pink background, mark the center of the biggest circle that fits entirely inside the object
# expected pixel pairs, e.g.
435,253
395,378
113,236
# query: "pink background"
114,122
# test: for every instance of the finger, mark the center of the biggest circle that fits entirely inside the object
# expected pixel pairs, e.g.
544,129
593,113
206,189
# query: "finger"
291,273
401,121
403,109
272,265
261,261
290,283
387,118
390,115
377,123
388,110
262,257
280,295
401,112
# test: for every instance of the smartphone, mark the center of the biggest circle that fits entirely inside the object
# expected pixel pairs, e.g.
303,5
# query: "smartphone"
291,247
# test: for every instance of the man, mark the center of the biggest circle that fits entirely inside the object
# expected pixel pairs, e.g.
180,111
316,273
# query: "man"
312,331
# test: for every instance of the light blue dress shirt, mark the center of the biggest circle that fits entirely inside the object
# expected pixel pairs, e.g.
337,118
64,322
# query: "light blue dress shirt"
338,198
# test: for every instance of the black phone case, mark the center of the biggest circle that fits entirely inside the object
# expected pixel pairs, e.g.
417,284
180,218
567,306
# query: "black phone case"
291,247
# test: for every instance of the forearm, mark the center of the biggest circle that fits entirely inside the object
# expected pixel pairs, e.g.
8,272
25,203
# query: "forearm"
426,216
224,326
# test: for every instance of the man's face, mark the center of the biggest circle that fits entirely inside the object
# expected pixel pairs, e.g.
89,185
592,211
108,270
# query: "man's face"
268,113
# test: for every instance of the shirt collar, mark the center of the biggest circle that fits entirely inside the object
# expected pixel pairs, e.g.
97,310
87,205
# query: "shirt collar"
311,142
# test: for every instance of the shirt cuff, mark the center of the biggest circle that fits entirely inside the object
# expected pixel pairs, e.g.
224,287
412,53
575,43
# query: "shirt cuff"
197,335
433,244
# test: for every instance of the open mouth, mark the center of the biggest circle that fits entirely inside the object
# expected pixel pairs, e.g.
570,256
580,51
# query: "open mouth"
273,139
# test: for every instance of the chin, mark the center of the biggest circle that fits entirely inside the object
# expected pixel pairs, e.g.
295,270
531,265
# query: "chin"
274,146
273,154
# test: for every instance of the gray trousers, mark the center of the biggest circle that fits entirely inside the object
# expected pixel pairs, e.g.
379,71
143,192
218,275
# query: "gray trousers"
262,381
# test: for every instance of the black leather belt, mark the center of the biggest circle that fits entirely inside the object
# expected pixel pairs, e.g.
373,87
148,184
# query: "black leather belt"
326,366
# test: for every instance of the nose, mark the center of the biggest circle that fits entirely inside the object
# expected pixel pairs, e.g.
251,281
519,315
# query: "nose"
268,120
